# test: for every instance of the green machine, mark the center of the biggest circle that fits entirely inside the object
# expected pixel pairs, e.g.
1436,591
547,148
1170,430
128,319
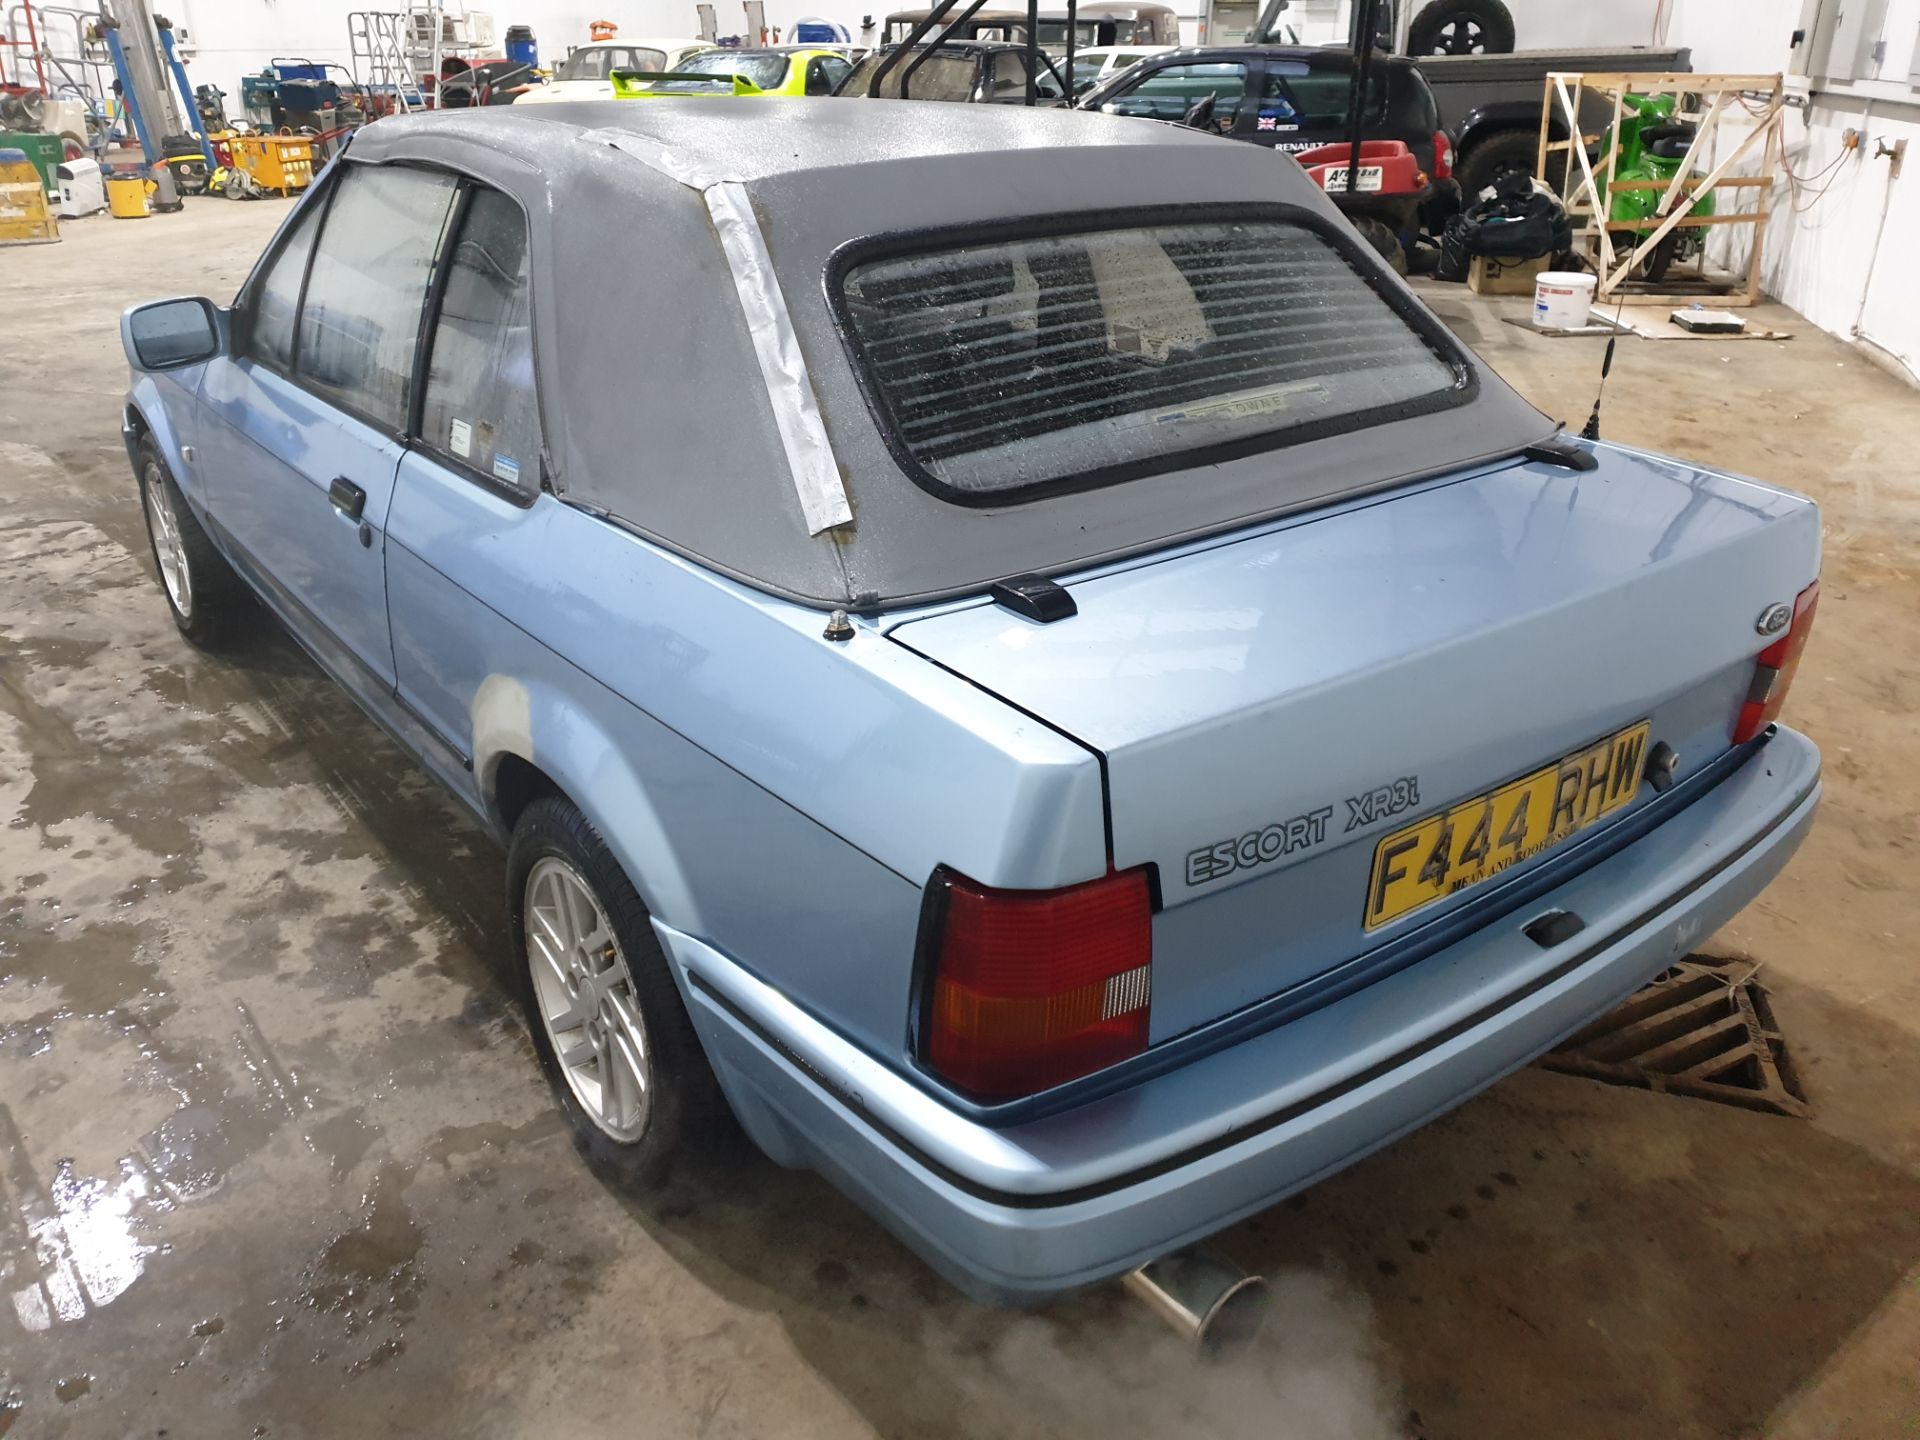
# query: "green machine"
1652,147
46,153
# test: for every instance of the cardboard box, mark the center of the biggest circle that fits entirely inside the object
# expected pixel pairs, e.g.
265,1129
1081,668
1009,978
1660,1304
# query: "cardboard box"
1490,276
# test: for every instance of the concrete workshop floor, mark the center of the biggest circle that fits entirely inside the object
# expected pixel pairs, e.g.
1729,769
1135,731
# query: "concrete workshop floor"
275,1158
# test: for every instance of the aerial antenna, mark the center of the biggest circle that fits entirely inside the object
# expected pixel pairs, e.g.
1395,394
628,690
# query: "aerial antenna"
1591,430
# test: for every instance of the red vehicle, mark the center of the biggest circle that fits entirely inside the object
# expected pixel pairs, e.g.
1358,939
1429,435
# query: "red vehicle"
1387,193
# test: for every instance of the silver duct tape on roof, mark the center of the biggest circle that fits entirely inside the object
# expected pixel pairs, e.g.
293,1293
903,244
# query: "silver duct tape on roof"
783,370
796,413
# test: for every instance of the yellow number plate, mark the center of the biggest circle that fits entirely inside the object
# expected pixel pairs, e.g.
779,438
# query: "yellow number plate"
1458,847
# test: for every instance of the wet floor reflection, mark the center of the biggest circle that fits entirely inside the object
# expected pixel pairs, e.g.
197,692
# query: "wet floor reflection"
74,1243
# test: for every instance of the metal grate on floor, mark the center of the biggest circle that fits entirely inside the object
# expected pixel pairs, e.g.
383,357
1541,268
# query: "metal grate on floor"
1703,1028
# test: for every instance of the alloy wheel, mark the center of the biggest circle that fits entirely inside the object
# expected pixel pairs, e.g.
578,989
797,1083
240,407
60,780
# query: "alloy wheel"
585,999
168,548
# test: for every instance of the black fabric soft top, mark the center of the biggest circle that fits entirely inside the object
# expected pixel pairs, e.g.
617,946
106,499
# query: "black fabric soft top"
652,401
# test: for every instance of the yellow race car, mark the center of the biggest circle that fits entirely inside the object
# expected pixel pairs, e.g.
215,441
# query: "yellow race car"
771,70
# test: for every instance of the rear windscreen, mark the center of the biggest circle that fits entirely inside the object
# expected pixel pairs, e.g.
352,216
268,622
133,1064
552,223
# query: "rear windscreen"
1020,363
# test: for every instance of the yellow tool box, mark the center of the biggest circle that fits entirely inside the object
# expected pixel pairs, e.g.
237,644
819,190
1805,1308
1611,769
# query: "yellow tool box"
24,215
276,162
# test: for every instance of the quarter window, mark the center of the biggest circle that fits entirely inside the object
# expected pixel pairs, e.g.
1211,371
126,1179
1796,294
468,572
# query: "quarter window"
276,299
479,405
361,317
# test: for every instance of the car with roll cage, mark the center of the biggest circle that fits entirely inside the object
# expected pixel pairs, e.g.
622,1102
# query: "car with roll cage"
979,72
1089,711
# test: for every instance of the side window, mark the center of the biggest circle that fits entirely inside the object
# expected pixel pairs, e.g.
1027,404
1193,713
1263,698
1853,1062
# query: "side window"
1171,91
1296,97
836,70
275,297
479,404
1010,80
361,318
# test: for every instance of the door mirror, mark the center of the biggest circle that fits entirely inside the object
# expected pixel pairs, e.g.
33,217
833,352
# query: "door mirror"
171,333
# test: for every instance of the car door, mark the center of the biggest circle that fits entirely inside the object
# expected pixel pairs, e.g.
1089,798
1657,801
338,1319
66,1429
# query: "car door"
315,422
824,74
471,474
1169,93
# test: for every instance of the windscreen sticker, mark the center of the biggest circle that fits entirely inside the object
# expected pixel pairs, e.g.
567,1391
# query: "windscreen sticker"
507,469
1276,120
460,439
1265,401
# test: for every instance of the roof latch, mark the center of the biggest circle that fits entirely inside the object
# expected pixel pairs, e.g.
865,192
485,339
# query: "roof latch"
1564,453
1034,596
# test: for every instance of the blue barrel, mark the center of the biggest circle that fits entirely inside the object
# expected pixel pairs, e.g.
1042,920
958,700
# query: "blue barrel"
522,48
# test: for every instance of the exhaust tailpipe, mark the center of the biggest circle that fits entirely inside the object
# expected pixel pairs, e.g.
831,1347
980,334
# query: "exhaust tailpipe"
1213,1303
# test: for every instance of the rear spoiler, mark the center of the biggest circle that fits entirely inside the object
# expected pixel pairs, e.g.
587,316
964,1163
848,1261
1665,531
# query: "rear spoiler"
638,84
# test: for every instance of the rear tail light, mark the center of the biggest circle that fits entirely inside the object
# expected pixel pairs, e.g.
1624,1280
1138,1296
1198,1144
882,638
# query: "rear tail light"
1773,669
1027,989
1442,156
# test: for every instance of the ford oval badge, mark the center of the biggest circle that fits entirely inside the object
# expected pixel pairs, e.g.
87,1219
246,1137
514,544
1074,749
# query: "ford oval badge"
1774,618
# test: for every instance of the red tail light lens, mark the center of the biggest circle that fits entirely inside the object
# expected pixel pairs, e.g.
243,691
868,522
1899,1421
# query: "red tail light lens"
1442,156
1773,669
1031,988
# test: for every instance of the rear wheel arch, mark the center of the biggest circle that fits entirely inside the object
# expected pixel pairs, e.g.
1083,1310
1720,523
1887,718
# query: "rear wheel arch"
584,767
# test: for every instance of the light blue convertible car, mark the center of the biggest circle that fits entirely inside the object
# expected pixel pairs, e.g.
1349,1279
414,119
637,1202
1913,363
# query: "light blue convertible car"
1007,650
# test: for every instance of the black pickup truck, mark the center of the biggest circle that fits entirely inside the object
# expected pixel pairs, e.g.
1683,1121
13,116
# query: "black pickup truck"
1491,105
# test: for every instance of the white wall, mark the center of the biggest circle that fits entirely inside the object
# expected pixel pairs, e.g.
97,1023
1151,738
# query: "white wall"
1827,253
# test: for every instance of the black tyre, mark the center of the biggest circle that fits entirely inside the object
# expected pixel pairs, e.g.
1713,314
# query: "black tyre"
209,602
1659,260
1461,27
1380,236
614,1039
1505,152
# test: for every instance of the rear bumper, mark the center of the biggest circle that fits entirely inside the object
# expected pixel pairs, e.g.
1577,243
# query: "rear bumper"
1025,1211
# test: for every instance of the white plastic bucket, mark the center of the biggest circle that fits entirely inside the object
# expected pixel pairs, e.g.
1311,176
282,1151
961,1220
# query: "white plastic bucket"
1561,299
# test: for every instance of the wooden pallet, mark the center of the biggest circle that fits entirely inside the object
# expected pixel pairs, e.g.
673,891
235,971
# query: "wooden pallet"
1704,101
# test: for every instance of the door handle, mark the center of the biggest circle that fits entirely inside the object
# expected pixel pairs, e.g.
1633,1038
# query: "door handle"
348,498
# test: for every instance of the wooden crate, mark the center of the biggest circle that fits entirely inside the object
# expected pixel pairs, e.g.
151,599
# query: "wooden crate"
25,218
1587,190
1489,276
